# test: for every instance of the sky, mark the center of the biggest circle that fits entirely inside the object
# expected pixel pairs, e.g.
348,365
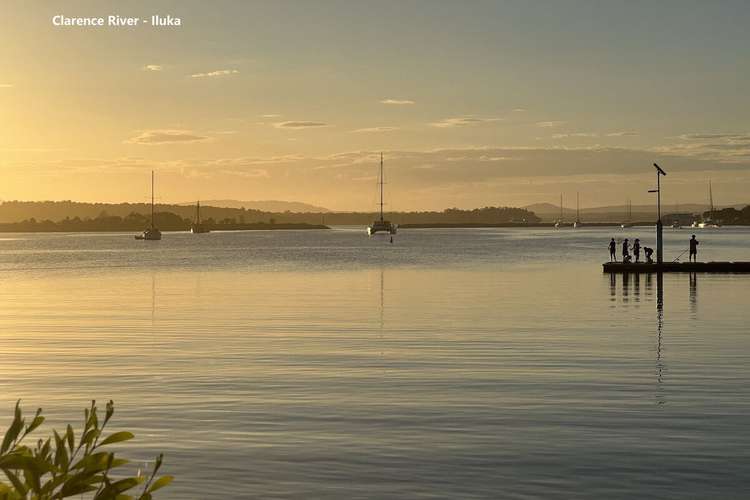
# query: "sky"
472,103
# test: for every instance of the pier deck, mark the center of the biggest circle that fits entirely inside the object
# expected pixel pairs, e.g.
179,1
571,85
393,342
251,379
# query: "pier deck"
677,267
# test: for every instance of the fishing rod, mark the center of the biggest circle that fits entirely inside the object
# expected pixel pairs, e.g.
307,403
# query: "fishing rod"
678,257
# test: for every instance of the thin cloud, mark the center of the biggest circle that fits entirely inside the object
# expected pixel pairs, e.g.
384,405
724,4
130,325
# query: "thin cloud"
153,67
397,102
704,137
271,115
575,134
6,85
155,137
725,148
219,72
375,129
299,124
625,133
550,124
463,121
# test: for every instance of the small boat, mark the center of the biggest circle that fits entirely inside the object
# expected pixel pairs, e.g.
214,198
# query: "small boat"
578,222
197,227
676,224
559,222
709,222
152,233
381,225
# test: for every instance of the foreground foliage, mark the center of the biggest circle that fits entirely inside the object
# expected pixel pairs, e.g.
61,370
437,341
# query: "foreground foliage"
63,465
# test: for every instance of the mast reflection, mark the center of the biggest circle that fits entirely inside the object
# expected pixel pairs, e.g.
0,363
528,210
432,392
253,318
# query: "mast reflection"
628,296
659,327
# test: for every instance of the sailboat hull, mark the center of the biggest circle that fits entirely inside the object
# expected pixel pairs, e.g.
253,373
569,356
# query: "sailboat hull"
152,234
381,227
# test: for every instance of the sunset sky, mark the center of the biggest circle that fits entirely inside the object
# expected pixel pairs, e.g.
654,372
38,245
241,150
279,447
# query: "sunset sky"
473,103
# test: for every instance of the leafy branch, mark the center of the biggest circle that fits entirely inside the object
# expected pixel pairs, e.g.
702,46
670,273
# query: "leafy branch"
61,467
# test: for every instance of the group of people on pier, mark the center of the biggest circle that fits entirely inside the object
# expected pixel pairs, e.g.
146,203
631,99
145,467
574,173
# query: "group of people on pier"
647,251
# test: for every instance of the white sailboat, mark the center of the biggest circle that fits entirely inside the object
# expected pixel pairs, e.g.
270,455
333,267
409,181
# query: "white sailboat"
578,223
559,222
708,223
152,233
381,225
197,227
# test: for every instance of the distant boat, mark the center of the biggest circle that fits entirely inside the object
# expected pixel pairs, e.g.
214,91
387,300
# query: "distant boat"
559,222
381,225
578,223
197,227
629,223
152,233
676,224
709,223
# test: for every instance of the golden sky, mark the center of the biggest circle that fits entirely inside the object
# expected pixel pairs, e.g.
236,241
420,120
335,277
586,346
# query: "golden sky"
485,103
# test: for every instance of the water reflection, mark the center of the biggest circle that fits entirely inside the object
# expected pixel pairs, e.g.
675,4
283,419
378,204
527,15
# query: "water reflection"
693,292
659,327
627,296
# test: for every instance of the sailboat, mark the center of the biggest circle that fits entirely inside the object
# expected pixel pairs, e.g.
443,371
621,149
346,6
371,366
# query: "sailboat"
381,225
197,227
152,233
629,223
559,222
578,223
708,223
676,222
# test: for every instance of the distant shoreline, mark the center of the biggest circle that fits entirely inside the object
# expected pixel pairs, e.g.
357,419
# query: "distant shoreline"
448,225
261,226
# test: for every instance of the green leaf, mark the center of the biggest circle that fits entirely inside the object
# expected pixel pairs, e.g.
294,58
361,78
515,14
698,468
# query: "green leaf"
117,437
160,483
70,437
117,462
127,483
38,420
13,430
17,483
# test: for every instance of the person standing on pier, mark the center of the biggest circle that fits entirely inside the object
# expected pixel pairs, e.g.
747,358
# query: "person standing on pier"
625,251
693,249
612,251
637,249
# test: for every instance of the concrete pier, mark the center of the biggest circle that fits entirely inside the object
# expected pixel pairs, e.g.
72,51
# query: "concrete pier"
677,267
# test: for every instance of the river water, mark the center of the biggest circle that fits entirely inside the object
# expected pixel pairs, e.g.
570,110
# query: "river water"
455,363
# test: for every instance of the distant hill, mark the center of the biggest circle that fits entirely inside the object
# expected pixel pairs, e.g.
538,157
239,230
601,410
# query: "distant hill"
73,214
276,206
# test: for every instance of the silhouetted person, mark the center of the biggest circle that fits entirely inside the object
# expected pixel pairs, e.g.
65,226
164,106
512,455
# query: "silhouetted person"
391,240
648,252
612,251
693,249
637,249
625,251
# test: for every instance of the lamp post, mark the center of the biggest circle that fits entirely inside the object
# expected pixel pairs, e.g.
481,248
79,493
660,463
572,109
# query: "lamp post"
659,241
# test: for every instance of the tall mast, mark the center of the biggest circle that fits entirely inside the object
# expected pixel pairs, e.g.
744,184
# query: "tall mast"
578,207
711,198
561,208
152,198
630,210
198,212
381,186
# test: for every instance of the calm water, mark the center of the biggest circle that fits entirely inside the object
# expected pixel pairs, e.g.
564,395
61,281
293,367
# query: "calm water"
493,363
